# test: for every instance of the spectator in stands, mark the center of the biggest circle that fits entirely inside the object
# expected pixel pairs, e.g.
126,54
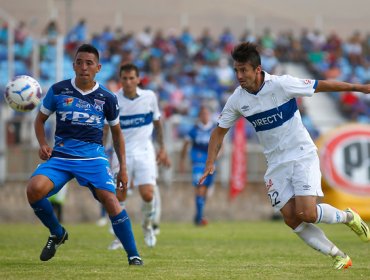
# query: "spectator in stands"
76,36
205,38
226,40
269,61
247,36
51,32
267,39
4,33
20,33
352,49
145,38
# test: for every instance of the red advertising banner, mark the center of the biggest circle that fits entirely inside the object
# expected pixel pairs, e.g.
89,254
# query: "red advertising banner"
238,177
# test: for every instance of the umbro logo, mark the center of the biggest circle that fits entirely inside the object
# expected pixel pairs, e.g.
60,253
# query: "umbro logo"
245,108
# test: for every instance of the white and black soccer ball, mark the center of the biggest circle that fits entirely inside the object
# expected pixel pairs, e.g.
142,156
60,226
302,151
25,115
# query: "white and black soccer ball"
23,93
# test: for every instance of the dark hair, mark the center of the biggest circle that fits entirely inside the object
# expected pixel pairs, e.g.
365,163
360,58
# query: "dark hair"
129,67
89,49
247,52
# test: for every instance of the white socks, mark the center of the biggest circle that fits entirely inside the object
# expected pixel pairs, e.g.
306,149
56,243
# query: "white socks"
314,237
330,215
148,212
157,206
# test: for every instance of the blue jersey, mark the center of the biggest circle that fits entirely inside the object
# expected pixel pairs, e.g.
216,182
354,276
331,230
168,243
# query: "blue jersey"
80,118
199,136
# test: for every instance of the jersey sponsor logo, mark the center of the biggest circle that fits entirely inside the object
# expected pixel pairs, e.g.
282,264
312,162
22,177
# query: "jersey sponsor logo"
133,121
68,101
81,118
307,82
274,117
83,104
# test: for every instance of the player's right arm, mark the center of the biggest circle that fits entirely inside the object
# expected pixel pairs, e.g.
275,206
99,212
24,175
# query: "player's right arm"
39,125
214,146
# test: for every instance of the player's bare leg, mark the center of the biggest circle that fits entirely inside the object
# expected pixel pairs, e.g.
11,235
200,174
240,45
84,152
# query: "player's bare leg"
300,213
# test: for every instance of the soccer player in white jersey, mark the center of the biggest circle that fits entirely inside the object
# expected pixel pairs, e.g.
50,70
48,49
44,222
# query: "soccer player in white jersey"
139,115
293,177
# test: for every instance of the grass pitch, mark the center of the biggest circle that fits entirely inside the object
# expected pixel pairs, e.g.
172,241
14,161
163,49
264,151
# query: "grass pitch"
222,250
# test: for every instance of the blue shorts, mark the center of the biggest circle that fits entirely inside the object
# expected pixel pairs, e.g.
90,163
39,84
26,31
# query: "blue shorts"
94,173
197,172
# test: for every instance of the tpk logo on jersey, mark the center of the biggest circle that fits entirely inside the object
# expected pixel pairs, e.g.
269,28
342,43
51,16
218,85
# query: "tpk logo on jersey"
68,101
99,105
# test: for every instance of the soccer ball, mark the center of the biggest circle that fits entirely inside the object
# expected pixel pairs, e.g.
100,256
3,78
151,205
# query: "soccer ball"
23,93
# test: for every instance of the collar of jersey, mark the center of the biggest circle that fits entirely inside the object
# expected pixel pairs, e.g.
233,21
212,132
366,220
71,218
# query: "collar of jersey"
73,82
138,92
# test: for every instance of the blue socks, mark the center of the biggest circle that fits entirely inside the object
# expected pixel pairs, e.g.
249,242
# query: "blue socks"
200,201
122,228
44,211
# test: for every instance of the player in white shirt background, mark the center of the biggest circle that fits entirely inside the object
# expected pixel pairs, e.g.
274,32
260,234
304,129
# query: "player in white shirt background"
293,177
139,116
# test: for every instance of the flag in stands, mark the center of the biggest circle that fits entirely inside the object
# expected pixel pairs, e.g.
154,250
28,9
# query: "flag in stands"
238,177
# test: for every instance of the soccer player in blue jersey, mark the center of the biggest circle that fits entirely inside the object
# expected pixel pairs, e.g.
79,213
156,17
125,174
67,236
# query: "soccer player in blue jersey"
293,177
81,105
198,138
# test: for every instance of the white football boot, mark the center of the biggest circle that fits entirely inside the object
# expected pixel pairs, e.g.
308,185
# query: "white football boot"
149,236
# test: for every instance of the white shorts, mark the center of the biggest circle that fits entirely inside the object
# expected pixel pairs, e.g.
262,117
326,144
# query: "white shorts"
141,169
301,177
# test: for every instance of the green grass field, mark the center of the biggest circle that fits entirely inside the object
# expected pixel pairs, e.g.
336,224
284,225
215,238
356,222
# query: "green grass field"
233,250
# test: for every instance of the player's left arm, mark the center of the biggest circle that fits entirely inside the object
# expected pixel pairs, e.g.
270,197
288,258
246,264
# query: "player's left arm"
162,156
119,148
333,86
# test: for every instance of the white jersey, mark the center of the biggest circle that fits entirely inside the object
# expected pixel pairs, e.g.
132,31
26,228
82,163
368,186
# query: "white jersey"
136,120
274,114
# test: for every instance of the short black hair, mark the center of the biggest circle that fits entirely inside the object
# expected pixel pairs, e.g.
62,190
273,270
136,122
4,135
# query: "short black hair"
127,67
89,49
247,52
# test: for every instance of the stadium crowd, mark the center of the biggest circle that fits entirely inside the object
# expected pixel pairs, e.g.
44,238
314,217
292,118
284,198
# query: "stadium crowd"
187,71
